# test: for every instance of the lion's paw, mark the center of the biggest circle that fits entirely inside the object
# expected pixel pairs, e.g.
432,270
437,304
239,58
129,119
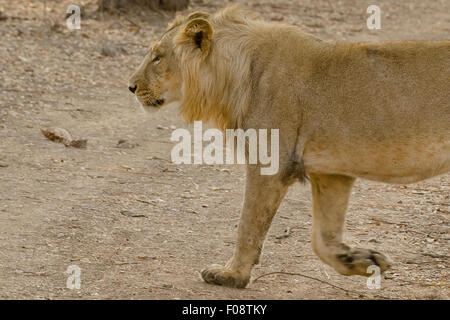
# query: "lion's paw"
356,261
223,276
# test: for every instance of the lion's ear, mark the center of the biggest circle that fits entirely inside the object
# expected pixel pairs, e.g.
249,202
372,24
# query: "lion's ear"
200,32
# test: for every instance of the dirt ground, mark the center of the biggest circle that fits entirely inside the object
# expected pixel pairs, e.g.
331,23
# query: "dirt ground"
140,227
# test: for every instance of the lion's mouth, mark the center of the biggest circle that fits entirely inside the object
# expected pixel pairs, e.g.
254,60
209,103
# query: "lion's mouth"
152,103
148,100
158,103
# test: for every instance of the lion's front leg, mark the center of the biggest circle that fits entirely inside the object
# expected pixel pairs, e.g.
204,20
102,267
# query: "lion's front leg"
263,195
330,198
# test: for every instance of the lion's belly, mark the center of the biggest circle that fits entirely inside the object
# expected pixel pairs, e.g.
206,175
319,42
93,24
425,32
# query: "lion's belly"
405,162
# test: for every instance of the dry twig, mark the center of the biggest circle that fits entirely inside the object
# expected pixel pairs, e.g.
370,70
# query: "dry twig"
359,294
308,277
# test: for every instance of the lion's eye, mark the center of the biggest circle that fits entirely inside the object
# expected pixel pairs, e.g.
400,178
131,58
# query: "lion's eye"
156,59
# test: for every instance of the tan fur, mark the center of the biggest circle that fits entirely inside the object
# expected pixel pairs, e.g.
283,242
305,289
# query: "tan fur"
379,111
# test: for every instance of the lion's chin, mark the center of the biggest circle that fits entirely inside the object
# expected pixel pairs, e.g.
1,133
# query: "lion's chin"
150,109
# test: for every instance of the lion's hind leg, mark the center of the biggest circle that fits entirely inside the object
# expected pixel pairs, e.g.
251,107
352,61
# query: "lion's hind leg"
330,198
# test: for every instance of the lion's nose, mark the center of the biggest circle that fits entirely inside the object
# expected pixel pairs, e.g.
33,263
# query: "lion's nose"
132,89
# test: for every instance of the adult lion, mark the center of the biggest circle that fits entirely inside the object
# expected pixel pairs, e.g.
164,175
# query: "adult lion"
345,111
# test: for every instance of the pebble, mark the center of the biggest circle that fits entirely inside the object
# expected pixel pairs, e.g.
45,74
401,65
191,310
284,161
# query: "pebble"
63,136
57,135
110,50
115,25
132,214
124,144
78,143
4,165
285,234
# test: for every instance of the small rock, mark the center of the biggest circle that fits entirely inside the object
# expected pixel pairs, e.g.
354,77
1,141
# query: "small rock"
284,235
160,127
78,143
132,214
124,144
63,136
115,25
110,50
57,135
4,165
68,52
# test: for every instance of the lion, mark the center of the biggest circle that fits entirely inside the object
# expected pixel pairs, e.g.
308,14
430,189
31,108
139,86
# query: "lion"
376,111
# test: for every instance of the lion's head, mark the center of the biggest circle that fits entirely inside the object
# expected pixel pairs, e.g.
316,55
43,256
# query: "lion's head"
197,63
158,80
